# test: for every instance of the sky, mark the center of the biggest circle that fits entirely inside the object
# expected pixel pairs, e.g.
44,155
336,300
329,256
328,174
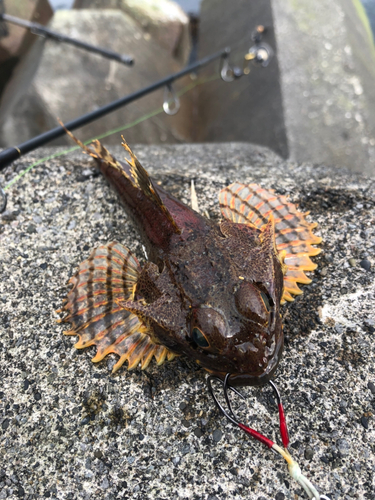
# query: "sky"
189,6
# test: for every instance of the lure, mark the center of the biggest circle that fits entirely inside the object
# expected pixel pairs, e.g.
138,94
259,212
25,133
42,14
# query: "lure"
210,290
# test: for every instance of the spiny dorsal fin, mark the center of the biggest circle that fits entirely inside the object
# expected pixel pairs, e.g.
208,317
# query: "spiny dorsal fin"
143,181
254,205
108,275
99,152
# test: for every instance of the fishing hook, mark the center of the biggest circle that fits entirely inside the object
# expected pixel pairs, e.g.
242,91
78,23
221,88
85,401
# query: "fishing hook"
293,467
3,200
170,97
226,71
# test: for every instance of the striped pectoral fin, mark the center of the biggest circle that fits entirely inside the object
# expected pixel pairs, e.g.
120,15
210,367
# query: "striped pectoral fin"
108,275
251,204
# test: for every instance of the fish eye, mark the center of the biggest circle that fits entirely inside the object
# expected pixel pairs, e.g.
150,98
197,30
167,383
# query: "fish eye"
266,301
199,338
254,302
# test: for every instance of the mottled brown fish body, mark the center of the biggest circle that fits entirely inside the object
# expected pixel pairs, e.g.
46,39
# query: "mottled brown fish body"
211,290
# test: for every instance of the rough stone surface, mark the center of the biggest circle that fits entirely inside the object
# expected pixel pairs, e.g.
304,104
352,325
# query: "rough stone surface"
69,430
60,81
316,99
327,62
164,20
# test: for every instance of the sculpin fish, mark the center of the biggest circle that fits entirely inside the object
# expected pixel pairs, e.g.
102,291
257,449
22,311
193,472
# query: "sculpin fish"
210,290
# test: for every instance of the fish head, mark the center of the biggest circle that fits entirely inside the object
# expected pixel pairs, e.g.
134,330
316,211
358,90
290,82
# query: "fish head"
235,325
240,330
244,338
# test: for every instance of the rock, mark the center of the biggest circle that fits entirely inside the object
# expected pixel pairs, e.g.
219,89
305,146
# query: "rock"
364,421
316,99
164,20
365,264
371,386
60,81
343,447
248,109
217,435
280,496
315,357
16,41
309,453
327,62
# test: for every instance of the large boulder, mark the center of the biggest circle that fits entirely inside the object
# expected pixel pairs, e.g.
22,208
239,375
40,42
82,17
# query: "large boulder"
316,99
61,81
18,40
164,20
14,40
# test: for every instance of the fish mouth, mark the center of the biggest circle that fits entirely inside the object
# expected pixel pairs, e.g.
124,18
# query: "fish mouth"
242,379
247,379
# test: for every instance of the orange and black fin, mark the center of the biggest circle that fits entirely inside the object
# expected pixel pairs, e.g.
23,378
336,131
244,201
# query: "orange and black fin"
251,204
98,153
108,275
143,181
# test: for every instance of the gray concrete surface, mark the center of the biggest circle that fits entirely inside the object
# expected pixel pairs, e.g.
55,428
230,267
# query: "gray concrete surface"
69,430
316,99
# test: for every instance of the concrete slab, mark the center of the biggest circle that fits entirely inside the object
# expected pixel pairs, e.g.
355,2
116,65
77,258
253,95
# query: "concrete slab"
69,430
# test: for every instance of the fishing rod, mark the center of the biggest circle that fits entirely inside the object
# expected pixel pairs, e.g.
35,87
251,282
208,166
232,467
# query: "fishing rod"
259,53
40,30
10,154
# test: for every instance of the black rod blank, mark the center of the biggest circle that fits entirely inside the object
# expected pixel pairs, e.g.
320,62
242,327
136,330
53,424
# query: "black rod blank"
41,30
10,154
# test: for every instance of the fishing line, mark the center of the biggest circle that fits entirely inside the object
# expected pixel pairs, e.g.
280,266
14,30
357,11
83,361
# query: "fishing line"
141,119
